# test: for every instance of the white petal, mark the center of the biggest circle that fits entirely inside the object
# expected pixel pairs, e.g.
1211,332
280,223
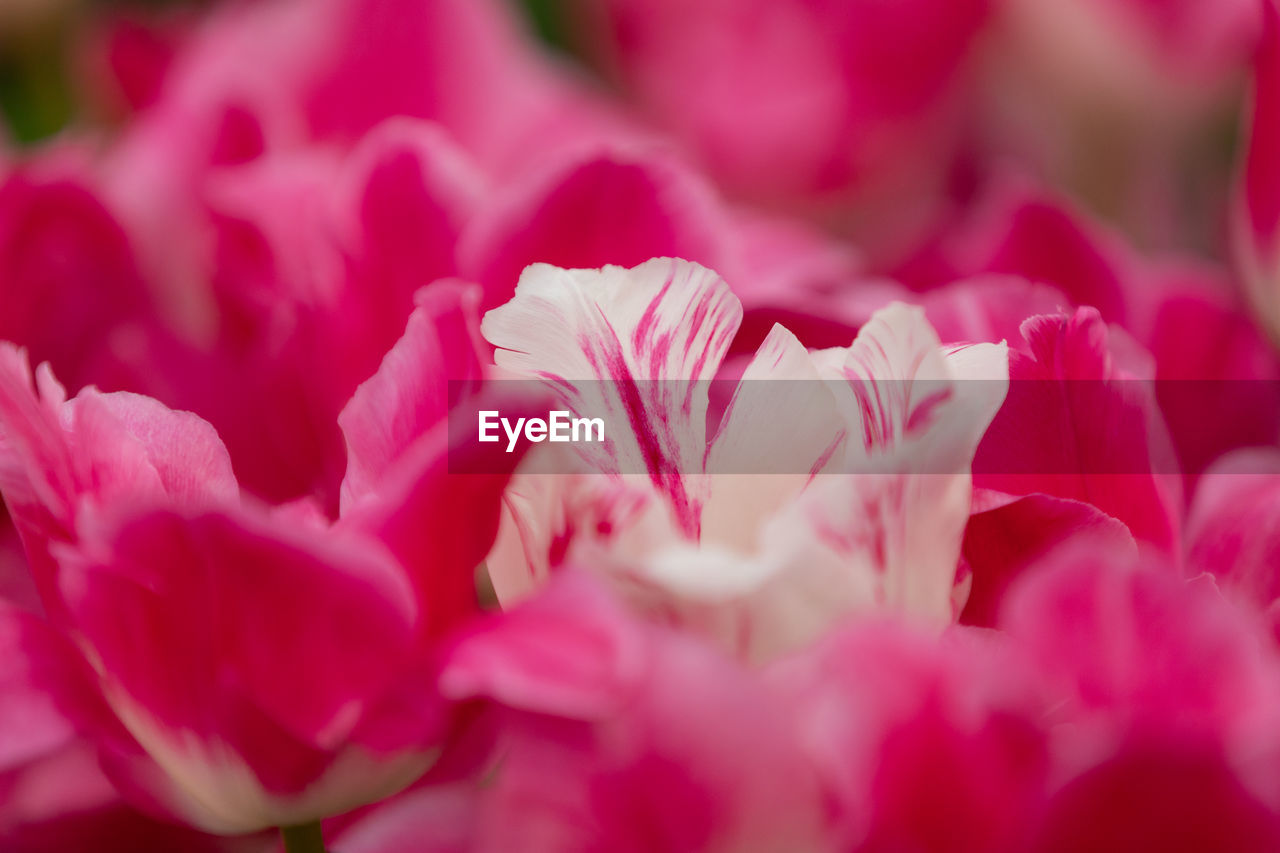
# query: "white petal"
636,347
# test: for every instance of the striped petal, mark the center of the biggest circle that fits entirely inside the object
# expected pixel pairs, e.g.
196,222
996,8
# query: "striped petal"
880,526
636,346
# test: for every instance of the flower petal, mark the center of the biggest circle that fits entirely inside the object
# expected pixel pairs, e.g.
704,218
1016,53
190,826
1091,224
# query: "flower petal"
410,394
179,612
601,207
637,347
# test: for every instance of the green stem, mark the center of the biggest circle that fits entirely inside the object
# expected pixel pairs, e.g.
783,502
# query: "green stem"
306,838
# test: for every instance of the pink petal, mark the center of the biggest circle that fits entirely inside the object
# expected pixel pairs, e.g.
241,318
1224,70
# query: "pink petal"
598,208
1180,660
1022,230
134,56
571,651
39,674
60,459
795,102
411,392
437,509
988,307
1232,528
1181,800
188,459
1210,356
1045,242
406,194
1076,427
924,744
37,469
198,623
632,740
412,191
1002,542
430,820
465,65
69,280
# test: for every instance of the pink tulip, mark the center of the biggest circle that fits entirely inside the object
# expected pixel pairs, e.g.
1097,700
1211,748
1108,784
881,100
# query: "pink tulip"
1105,674
204,675
300,308
1187,313
72,290
1085,609
801,103
296,68
1079,450
64,458
1166,687
923,744
54,794
1231,527
212,718
621,735
281,267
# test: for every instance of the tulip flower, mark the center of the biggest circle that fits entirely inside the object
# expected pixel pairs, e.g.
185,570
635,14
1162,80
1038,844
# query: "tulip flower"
1092,458
192,612
800,104
764,561
608,716
1231,527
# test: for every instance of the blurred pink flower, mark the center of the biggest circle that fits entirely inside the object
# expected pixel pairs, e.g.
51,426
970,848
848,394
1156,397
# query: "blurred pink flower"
1105,674
923,744
261,667
1139,709
55,795
72,290
622,735
1078,450
1233,528
1169,704
803,104
1188,313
